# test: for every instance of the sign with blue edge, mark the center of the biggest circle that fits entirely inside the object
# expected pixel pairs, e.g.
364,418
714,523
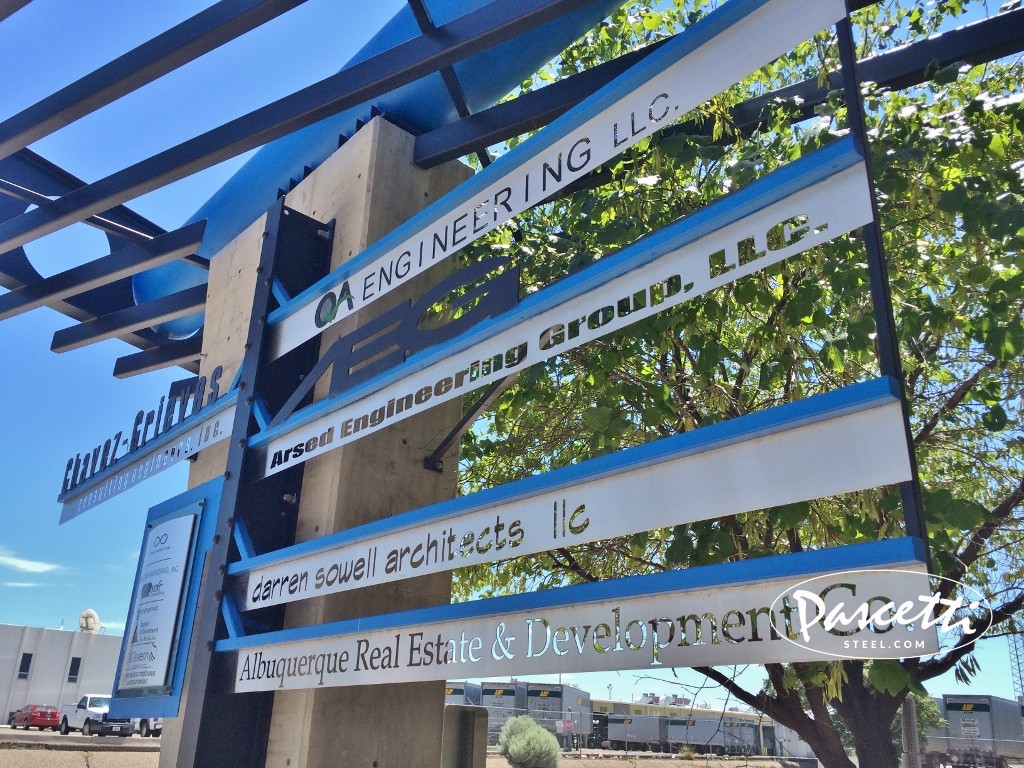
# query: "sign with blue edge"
806,203
801,607
829,444
155,646
695,65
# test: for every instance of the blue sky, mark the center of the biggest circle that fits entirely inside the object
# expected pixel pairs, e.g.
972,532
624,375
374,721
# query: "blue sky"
55,405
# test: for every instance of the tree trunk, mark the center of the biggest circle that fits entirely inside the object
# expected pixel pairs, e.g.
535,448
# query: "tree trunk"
828,748
869,714
876,749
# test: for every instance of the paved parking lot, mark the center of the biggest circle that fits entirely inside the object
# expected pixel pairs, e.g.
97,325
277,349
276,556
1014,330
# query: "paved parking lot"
46,749
51,758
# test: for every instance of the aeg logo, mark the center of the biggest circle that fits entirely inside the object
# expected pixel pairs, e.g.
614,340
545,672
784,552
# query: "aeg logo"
473,293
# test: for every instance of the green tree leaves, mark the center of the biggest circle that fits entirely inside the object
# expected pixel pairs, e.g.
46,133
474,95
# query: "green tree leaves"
949,165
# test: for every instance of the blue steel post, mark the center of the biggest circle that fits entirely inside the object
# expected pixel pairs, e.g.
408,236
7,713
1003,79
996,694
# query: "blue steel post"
218,727
878,272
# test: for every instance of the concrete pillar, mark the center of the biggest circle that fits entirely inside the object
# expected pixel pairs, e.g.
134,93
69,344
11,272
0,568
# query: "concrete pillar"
369,186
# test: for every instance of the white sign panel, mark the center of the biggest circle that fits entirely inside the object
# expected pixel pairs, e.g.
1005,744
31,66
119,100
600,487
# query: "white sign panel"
801,220
687,71
152,459
154,618
741,614
765,459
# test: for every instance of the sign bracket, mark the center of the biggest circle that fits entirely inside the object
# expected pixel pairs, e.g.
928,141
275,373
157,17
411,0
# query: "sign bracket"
434,460
232,618
243,543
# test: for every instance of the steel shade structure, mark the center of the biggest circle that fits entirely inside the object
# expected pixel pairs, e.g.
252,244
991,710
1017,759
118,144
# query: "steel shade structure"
164,356
28,178
181,44
119,264
130,319
470,34
198,35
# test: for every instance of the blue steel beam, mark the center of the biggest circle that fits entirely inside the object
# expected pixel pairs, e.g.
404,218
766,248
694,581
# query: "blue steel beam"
26,175
7,7
116,266
470,34
184,354
176,47
32,197
124,321
451,80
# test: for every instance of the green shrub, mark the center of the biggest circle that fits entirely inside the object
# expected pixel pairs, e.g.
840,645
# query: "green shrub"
512,727
526,745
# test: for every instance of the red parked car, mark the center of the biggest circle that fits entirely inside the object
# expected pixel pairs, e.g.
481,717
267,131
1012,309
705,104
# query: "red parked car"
39,716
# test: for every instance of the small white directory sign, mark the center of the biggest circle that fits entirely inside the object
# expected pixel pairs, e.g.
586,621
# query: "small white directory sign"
156,609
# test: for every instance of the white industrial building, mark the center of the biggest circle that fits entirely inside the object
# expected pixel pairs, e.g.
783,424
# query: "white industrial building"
55,666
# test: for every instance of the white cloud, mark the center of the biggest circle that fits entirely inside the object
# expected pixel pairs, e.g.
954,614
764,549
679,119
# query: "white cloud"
26,566
19,584
116,626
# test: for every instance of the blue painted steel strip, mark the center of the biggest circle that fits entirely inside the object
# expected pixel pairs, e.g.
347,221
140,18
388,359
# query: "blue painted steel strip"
260,412
891,552
681,45
795,176
232,618
278,290
153,446
243,540
829,405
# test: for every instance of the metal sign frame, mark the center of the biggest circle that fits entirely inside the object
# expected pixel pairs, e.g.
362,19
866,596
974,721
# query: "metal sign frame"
837,442
163,700
687,252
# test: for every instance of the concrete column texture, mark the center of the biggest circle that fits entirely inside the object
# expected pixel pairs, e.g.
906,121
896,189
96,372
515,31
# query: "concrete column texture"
369,186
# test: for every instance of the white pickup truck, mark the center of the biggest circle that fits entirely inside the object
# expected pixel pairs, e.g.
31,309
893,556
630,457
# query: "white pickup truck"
149,726
89,716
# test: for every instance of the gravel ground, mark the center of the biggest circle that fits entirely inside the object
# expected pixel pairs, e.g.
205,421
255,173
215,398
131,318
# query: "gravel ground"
76,752
64,758
50,758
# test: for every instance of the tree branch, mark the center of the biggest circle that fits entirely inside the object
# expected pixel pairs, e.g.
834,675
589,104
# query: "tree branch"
955,398
759,701
936,667
975,545
571,564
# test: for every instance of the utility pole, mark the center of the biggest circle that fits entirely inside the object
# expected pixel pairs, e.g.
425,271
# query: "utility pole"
911,750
